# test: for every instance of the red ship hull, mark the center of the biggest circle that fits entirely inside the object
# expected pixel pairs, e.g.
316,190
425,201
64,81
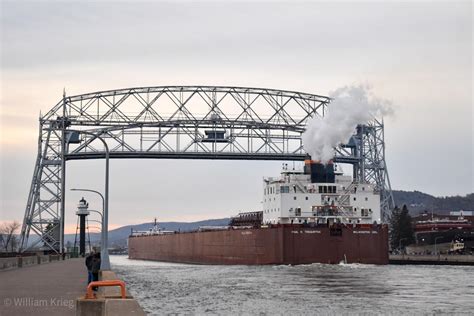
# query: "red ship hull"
259,246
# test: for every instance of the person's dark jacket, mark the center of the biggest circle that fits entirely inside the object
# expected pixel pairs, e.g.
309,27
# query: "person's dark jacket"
95,266
89,259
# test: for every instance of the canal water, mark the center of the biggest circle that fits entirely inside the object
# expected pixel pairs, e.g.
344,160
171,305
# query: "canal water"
316,289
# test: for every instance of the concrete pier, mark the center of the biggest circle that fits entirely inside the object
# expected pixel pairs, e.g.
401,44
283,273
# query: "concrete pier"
46,289
461,260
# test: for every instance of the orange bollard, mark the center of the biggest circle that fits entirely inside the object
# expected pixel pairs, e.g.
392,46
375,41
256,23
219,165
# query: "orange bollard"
90,294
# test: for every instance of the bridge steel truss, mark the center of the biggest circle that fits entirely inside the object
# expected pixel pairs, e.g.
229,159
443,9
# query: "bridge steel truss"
180,122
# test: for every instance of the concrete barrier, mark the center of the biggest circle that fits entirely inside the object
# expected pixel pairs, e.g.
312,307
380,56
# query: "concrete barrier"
20,262
28,261
8,263
108,301
108,306
43,259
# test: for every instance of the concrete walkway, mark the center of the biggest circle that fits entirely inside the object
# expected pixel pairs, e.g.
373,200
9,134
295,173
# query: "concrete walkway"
46,289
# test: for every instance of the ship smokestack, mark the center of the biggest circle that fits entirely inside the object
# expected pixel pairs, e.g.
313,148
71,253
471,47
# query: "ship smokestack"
320,173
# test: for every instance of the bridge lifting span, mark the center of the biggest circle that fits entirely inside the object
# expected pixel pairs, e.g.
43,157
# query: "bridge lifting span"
182,122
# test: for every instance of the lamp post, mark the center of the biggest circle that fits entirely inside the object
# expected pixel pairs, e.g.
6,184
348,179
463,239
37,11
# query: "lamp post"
104,253
93,191
101,217
101,231
93,220
436,239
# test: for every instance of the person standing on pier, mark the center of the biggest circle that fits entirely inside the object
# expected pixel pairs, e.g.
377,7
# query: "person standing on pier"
95,268
89,259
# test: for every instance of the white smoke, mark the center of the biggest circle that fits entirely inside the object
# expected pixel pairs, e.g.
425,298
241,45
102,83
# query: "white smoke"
351,105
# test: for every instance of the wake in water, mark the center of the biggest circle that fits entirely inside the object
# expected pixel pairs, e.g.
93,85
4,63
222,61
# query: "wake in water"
314,289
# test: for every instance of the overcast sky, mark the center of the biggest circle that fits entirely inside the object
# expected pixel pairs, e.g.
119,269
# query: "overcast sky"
418,55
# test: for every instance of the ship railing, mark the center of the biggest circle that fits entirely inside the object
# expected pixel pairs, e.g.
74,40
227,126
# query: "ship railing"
300,186
151,233
344,197
212,228
243,227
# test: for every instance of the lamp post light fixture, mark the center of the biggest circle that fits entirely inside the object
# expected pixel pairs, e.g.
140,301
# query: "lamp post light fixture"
436,248
100,213
104,252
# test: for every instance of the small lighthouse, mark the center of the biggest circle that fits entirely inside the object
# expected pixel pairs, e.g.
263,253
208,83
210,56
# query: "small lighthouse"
82,212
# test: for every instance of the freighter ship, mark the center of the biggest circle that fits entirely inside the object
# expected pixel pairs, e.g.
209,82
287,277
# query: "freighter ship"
312,215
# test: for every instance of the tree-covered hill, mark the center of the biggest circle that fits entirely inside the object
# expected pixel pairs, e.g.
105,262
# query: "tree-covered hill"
418,201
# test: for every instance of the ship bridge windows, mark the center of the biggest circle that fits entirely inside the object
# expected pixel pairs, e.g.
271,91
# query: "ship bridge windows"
274,190
271,190
285,189
327,189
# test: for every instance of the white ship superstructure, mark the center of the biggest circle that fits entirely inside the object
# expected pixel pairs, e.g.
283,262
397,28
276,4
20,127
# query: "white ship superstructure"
318,194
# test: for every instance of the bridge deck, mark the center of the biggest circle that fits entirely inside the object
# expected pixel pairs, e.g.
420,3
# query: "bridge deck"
46,289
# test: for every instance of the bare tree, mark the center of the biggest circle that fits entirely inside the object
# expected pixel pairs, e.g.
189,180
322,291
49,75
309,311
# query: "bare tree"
8,232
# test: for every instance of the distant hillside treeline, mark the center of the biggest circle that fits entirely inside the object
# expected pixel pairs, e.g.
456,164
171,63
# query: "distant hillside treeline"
419,201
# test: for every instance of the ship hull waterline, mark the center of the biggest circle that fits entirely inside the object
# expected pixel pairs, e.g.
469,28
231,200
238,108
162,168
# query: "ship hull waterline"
265,246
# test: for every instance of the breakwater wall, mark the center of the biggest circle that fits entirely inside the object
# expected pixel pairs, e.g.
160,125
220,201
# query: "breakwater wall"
432,259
